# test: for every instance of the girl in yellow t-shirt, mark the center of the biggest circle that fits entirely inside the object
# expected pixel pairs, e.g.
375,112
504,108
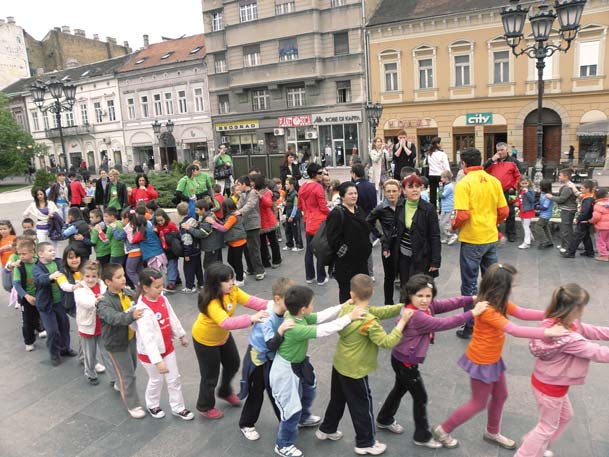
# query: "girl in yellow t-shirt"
213,342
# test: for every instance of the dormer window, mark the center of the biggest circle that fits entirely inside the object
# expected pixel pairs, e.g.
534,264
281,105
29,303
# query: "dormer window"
168,55
197,49
139,61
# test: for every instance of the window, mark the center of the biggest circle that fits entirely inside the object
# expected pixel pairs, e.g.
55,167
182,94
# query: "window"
251,55
140,61
425,74
111,111
391,77
131,108
501,72
335,3
167,56
288,50
296,96
223,106
69,119
98,112
168,103
248,12
462,70
285,7
84,114
198,92
343,91
144,104
45,120
217,21
548,71
341,43
35,122
220,62
588,58
182,106
158,105
261,100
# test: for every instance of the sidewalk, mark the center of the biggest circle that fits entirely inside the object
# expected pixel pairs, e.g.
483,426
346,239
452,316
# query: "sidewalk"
16,196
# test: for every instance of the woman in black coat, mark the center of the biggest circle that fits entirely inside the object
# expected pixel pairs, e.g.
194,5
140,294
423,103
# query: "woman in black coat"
349,237
101,189
289,168
384,214
417,247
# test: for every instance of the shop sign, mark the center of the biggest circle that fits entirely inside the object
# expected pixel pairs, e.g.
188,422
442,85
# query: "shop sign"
478,118
294,121
346,117
398,124
237,125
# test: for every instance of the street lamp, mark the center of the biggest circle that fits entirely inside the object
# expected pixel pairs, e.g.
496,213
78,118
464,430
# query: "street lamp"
156,128
374,112
57,89
513,17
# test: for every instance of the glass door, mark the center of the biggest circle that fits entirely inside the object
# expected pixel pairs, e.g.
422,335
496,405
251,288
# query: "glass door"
339,152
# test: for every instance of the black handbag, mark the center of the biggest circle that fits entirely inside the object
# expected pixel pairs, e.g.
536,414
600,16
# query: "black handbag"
222,172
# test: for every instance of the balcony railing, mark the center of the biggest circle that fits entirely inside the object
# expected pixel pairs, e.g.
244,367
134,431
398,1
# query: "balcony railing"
74,130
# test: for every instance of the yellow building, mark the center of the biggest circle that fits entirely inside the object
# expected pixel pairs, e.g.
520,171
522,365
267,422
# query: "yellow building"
442,68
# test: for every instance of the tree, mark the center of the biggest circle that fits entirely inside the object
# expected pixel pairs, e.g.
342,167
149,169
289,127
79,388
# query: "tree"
13,161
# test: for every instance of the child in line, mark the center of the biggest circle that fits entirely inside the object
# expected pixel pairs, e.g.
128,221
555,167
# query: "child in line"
210,240
164,227
292,377
355,358
68,281
101,245
235,237
293,231
115,235
7,249
214,345
219,199
89,324
600,220
544,234
424,188
279,204
583,227
28,224
447,205
412,350
482,359
192,250
526,204
146,238
559,364
156,330
49,303
78,233
265,338
567,202
116,313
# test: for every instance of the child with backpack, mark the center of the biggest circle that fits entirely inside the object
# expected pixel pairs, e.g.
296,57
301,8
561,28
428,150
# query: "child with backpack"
192,250
169,234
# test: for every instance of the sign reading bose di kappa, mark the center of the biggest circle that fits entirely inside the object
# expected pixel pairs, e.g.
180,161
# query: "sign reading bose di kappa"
236,125
478,118
345,117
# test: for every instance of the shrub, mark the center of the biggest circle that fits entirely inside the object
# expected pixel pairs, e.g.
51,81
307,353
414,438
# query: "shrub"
43,179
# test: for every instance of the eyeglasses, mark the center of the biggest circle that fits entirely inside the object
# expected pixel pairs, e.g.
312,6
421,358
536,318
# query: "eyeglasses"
320,172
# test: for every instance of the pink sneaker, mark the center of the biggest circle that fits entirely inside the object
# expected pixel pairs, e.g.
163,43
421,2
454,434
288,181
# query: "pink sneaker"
232,399
213,413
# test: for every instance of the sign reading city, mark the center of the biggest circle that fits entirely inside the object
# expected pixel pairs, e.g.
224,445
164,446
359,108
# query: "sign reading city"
346,117
294,121
478,118
237,125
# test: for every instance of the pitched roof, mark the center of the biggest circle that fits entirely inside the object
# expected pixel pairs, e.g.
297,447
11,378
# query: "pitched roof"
167,52
76,74
392,11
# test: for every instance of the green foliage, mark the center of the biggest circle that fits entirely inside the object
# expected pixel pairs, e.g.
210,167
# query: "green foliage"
13,162
178,169
164,183
43,179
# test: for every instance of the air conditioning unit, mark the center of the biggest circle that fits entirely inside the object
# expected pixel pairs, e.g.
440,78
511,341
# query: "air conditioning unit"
311,135
107,140
279,132
224,140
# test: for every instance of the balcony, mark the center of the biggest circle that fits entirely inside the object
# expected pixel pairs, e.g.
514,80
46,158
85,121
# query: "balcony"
297,70
74,130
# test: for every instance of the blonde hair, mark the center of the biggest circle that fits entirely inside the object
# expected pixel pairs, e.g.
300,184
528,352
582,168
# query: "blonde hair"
391,182
182,208
447,174
362,286
114,172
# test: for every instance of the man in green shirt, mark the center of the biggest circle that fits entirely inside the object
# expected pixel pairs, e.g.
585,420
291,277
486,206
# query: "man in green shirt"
355,358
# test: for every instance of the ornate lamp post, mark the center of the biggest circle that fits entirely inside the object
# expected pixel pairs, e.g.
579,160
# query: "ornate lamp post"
156,128
58,90
374,111
569,14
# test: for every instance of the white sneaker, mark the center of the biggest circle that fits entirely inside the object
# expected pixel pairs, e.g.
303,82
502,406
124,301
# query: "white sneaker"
524,246
29,347
431,444
452,239
373,278
285,248
99,368
393,428
562,250
310,281
186,290
548,453
250,433
116,386
288,451
337,435
137,412
311,421
324,282
445,438
239,283
42,334
499,439
297,249
443,241
376,449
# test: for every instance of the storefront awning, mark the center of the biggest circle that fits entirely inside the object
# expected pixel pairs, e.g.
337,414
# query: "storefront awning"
598,128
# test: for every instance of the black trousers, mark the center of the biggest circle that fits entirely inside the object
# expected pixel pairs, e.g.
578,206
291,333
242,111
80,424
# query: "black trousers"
211,257
388,281
252,252
264,249
404,272
293,235
57,325
407,379
210,358
192,270
234,258
434,183
259,382
355,393
344,290
510,222
30,321
581,235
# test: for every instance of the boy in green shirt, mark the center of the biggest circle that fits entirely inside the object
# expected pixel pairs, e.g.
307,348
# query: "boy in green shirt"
356,357
292,377
98,237
114,227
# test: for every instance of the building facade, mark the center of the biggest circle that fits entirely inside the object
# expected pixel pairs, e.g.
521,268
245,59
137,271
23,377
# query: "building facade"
165,82
444,69
286,75
13,53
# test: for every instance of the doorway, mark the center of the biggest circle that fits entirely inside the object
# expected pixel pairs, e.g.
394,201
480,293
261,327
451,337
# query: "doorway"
490,142
552,137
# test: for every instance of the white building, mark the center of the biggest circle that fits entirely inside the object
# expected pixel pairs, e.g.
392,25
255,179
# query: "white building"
13,54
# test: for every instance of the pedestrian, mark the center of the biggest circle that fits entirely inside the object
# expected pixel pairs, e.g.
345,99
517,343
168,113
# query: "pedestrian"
7,239
482,360
192,250
567,203
560,364
100,243
447,206
77,191
116,194
115,235
379,171
404,154
211,241
411,351
101,189
223,169
61,195
166,229
144,236
546,206
248,206
156,330
268,224
214,345
437,161
235,237
293,216
583,227
526,205
41,210
143,191
78,233
290,169
600,220
366,202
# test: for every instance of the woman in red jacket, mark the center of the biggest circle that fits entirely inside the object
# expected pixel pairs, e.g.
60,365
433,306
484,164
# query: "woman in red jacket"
268,224
143,191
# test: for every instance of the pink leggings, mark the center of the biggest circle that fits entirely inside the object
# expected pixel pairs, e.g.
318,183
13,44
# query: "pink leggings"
481,392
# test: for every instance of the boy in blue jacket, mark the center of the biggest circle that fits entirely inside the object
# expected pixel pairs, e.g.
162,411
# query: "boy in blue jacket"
192,250
544,235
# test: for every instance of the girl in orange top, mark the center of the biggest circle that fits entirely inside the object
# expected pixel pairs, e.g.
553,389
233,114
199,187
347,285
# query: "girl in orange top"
7,236
482,359
235,237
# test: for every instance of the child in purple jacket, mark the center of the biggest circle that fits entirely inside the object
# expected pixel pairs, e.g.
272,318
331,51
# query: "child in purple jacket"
411,351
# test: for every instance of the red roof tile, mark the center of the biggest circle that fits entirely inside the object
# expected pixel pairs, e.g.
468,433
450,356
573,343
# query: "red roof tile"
167,52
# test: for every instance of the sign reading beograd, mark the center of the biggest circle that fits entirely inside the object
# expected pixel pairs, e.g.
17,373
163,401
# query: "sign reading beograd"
478,118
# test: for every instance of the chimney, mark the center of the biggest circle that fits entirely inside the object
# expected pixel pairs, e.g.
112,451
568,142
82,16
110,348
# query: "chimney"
96,36
80,32
146,41
65,28
111,40
10,19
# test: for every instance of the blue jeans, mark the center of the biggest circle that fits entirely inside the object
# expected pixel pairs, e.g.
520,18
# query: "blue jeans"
309,268
474,257
288,429
172,271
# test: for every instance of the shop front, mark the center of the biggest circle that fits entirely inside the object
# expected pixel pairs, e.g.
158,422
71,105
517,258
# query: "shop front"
592,136
419,131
